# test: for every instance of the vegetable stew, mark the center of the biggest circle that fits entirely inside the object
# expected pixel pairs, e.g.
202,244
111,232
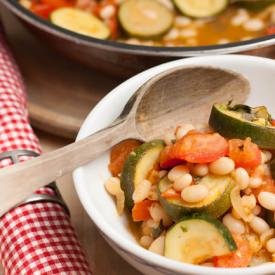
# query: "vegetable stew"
205,197
161,22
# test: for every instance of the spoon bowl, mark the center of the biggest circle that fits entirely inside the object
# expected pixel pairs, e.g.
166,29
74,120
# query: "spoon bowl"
179,95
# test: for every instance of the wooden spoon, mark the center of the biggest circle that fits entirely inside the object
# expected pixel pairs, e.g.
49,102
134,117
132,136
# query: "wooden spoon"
179,95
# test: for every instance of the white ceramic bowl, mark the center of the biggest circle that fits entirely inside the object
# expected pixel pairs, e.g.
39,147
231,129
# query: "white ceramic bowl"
89,179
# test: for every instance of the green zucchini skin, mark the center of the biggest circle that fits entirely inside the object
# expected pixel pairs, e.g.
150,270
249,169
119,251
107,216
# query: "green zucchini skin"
231,127
129,170
174,243
216,208
255,5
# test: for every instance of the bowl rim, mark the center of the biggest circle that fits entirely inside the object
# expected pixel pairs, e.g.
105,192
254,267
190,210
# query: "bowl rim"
115,46
129,246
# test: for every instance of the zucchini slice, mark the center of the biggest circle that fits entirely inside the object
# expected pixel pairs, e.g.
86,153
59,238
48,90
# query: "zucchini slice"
241,121
138,166
147,19
201,8
217,202
254,4
198,238
79,21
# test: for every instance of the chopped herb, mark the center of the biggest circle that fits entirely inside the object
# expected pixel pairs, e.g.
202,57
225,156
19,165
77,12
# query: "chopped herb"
184,229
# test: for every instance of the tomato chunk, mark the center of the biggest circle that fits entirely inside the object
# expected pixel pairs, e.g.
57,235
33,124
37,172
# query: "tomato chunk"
240,258
170,194
273,122
271,30
140,211
245,153
167,160
200,147
41,9
120,153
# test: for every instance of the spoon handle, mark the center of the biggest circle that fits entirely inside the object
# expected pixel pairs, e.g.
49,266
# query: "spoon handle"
20,180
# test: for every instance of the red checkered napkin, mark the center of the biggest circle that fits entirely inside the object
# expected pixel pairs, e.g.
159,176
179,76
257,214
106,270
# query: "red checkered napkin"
35,238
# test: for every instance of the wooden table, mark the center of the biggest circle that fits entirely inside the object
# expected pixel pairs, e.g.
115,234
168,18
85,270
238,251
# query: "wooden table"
101,257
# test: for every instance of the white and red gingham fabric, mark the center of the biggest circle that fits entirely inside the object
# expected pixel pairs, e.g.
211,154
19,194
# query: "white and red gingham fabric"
35,238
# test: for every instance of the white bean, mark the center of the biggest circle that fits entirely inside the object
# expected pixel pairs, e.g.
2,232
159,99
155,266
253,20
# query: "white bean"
222,166
258,225
182,21
107,12
187,33
267,200
182,182
146,241
194,193
270,245
249,201
177,172
242,178
157,245
142,191
255,182
257,210
266,156
182,130
112,186
254,25
234,225
200,170
156,212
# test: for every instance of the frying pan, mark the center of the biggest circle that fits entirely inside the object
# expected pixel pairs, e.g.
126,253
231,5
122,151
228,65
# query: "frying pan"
119,59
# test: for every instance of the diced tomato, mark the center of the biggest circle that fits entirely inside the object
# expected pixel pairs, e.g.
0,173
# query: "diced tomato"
113,26
41,9
120,153
245,153
55,4
140,211
167,160
199,147
267,186
273,122
240,258
170,194
271,30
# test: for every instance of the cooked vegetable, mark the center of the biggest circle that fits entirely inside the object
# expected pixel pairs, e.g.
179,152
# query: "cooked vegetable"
197,148
255,4
244,153
240,258
216,203
199,8
138,166
140,211
79,21
242,121
145,18
167,160
238,206
198,238
120,153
